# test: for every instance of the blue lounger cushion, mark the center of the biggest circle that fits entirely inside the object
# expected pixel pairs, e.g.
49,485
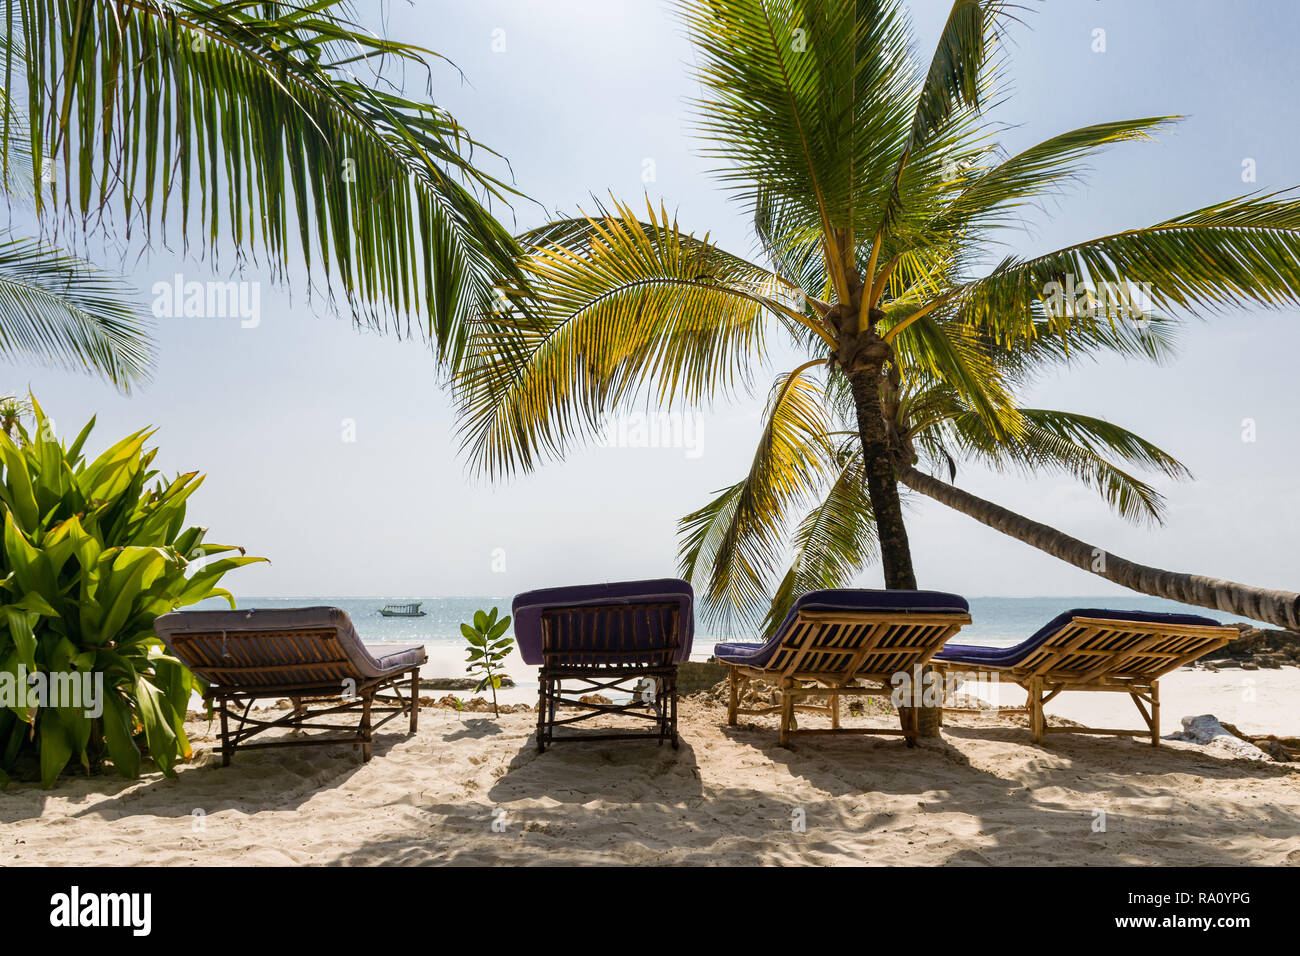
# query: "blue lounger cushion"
1011,656
841,599
527,609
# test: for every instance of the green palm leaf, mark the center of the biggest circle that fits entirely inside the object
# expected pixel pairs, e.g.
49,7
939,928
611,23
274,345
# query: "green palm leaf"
958,355
732,546
1243,251
635,309
284,136
833,543
1086,448
805,103
959,73
60,310
988,196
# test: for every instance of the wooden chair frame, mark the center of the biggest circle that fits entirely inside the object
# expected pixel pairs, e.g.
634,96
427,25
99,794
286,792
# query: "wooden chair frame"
1106,655
834,654
567,657
379,697
331,687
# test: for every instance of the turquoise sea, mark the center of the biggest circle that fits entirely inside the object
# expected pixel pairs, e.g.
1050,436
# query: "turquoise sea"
997,620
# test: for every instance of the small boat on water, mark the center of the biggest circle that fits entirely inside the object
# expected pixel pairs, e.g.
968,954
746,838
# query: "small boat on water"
401,610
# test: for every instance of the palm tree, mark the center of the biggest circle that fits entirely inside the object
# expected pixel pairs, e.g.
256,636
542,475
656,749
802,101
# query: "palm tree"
280,128
876,191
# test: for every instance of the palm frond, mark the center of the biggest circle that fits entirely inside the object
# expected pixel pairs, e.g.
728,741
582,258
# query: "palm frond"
990,194
958,75
732,547
1243,251
805,102
961,76
640,310
833,543
60,310
1081,446
960,356
280,131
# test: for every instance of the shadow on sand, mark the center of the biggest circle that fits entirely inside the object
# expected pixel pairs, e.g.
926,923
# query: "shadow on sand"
618,802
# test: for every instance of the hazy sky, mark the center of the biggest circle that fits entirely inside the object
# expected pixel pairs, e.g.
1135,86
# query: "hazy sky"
583,96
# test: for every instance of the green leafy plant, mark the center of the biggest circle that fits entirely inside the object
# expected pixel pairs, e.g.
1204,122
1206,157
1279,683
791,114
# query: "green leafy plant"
92,553
488,647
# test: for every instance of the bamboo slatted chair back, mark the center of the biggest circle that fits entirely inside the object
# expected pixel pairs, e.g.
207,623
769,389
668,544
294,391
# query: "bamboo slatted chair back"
1088,649
246,659
843,645
640,634
305,648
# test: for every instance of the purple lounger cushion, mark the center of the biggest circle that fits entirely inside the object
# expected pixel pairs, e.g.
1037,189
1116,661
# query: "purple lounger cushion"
243,627
1011,656
842,599
527,609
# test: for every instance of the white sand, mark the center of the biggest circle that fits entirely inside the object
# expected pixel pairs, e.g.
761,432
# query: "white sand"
1256,702
979,795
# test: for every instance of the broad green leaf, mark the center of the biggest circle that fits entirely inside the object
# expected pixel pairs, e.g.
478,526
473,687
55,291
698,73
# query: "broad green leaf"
119,736
56,748
159,725
20,624
17,490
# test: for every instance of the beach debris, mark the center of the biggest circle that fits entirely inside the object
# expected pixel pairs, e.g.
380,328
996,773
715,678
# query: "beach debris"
475,705
1282,749
1207,731
754,694
457,683
757,694
1257,647
597,700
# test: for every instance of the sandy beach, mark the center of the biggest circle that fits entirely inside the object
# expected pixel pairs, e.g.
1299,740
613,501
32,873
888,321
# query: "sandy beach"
472,790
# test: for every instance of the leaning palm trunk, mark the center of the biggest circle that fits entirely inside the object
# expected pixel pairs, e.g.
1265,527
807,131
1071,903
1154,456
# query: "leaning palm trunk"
1261,604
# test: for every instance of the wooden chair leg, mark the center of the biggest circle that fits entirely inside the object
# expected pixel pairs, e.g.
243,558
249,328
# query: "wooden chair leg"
787,711
226,749
1155,713
299,713
733,702
672,706
365,728
541,715
415,700
835,711
1037,721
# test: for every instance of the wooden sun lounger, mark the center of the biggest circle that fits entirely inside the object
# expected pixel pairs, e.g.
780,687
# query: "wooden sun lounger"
606,637
312,656
1092,650
843,643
